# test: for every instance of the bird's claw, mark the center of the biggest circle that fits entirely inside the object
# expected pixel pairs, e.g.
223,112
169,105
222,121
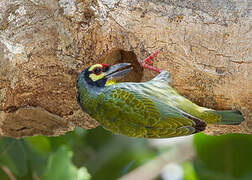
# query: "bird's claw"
148,61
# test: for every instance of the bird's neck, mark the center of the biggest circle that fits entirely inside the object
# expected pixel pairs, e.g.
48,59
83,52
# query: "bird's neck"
89,98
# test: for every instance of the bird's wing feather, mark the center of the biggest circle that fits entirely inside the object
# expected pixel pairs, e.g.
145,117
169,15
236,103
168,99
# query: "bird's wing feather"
145,116
160,89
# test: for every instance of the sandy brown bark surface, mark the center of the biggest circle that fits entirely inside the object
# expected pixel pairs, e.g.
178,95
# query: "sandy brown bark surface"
207,48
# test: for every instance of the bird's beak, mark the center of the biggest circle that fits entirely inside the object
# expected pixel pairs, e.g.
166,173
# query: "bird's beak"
118,71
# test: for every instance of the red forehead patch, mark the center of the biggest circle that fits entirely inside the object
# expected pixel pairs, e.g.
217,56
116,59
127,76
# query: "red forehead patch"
104,65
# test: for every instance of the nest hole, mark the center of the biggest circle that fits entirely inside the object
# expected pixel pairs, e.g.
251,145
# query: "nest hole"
120,56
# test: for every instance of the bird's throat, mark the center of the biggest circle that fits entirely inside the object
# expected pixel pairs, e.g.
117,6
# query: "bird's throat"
110,82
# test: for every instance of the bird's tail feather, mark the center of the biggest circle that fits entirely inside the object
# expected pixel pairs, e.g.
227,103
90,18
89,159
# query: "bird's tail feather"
230,117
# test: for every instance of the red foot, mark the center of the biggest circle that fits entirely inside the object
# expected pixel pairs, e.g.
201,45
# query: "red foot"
147,63
151,67
148,59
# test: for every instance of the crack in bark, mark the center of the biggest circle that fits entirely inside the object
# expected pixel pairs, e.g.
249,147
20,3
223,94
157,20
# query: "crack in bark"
241,62
22,129
11,109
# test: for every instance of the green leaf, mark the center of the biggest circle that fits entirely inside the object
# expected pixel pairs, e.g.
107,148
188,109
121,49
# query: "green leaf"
98,137
39,144
223,157
119,157
60,167
13,155
189,172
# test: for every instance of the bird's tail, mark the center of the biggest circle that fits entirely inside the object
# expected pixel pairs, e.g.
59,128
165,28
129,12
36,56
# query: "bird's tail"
230,117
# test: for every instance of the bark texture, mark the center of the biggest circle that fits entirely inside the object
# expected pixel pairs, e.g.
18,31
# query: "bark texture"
207,48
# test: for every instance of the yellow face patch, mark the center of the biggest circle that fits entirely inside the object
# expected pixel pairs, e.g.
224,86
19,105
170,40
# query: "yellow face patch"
94,66
94,76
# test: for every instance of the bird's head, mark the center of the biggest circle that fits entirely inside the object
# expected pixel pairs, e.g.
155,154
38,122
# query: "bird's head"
100,75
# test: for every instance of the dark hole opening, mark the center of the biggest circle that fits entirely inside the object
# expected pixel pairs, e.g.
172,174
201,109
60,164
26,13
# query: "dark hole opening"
120,56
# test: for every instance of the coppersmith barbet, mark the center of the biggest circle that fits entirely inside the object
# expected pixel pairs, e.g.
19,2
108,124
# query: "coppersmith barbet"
151,109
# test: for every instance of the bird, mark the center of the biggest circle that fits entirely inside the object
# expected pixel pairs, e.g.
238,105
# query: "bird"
151,109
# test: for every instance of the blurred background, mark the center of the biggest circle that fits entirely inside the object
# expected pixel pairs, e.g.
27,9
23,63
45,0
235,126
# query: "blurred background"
98,154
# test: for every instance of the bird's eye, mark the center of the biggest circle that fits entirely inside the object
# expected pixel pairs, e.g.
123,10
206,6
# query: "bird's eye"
97,71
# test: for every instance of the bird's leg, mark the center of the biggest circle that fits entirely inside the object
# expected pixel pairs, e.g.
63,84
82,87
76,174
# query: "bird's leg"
147,63
148,59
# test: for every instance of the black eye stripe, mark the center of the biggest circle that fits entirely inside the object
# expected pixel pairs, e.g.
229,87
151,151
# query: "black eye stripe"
97,71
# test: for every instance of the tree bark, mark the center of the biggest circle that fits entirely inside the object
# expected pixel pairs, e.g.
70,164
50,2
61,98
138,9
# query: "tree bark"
207,48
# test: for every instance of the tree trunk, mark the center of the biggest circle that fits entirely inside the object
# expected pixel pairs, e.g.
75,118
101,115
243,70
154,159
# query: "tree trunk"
207,48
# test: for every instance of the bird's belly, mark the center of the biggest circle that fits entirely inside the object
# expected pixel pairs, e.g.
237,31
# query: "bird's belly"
123,122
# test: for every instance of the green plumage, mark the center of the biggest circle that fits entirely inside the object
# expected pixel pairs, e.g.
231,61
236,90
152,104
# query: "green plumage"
150,109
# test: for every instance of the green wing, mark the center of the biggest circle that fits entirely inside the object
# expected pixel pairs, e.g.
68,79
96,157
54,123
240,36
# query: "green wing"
130,113
160,89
